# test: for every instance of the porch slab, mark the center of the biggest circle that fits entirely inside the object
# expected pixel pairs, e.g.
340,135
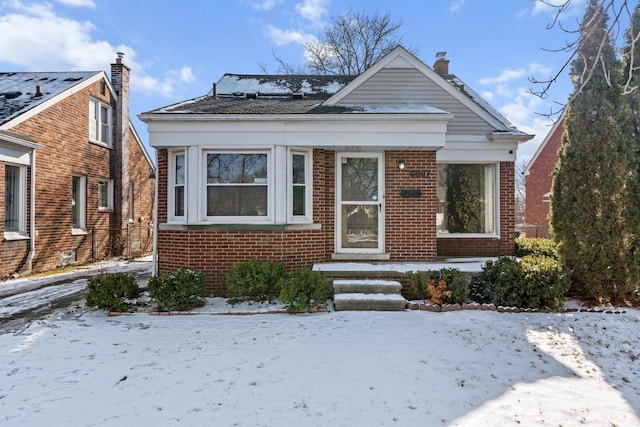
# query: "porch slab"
465,264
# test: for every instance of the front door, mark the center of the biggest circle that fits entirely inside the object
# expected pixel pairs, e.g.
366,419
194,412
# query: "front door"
359,203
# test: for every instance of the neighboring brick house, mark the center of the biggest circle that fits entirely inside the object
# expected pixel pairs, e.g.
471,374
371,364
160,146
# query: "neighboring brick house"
401,163
538,180
74,175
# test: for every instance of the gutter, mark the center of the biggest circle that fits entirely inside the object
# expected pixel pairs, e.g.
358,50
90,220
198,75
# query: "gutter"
32,218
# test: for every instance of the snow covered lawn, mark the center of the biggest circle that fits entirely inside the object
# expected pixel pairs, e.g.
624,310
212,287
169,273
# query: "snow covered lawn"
411,368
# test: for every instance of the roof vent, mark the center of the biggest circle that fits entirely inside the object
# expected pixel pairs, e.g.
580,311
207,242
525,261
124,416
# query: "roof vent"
297,95
38,93
12,95
252,95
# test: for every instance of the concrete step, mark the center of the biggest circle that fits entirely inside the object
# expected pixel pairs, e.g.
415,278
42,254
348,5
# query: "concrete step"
363,286
369,302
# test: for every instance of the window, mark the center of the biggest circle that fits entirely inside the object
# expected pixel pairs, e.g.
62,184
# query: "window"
78,203
14,198
105,194
99,122
466,199
177,184
237,185
299,180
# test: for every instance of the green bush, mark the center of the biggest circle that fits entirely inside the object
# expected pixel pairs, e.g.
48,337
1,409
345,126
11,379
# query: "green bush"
180,290
304,289
532,282
255,281
538,247
112,291
457,282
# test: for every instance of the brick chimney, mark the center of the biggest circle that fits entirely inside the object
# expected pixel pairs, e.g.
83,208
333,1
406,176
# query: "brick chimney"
120,82
441,66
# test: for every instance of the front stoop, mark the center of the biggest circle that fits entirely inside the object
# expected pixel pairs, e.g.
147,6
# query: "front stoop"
369,295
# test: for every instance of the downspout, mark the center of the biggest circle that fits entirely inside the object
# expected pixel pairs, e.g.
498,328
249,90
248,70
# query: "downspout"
32,217
154,257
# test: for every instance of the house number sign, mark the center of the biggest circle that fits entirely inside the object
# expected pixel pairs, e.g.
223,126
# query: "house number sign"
419,173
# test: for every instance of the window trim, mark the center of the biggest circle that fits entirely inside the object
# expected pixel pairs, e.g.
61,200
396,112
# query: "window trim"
82,209
109,187
496,204
171,207
257,219
95,122
21,232
308,176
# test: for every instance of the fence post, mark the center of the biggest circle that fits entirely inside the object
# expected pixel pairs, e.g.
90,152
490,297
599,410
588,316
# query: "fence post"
128,248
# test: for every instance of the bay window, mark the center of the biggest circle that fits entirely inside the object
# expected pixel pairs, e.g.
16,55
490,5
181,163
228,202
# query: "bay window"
299,182
466,199
177,184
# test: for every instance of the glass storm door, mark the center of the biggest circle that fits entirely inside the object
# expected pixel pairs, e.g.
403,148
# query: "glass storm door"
359,209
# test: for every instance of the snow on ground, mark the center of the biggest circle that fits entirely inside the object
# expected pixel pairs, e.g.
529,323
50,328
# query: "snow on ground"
466,368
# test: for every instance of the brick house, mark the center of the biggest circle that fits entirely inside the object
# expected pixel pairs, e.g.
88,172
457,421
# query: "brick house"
538,181
74,175
401,163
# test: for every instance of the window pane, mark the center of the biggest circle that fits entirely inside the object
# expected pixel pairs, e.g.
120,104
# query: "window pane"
179,169
359,226
299,200
179,201
75,202
104,124
103,194
12,198
237,200
465,198
236,168
298,169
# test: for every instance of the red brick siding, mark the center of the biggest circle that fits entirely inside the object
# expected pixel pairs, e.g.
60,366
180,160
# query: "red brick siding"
505,245
140,173
538,183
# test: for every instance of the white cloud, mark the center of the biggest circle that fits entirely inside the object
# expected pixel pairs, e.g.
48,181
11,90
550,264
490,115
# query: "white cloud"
551,7
78,3
456,5
312,10
55,43
266,4
283,37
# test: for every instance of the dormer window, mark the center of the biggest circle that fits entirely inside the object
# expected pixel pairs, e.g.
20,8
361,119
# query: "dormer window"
99,122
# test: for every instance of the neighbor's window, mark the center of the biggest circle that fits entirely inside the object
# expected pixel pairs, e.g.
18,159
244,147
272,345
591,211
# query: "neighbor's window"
177,185
300,186
466,198
14,198
99,122
78,202
105,194
237,185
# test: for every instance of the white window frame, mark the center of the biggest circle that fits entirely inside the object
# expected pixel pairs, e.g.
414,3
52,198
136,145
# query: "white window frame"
492,210
171,200
96,130
257,219
308,184
80,204
108,186
21,201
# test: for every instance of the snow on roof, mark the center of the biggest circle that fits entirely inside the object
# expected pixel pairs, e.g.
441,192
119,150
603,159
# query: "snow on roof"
19,90
274,85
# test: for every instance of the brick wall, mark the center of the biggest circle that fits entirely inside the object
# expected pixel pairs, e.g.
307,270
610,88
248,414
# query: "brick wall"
505,245
538,183
140,176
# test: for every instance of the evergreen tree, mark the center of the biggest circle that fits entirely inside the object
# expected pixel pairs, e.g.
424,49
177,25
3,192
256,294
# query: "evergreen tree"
591,180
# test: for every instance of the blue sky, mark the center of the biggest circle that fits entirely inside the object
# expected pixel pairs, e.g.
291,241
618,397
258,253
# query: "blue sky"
178,49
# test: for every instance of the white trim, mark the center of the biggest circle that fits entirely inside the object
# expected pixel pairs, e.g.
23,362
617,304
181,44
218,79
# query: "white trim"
379,203
171,184
21,201
308,186
109,188
80,204
95,122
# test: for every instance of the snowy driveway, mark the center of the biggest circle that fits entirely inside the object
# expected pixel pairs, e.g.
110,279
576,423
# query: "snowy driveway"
328,369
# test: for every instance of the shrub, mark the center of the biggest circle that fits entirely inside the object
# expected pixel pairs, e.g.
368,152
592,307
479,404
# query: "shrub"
112,291
532,282
304,289
454,291
180,290
538,247
255,281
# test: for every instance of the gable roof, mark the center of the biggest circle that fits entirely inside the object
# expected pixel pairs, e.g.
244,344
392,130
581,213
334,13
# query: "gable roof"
19,93
543,145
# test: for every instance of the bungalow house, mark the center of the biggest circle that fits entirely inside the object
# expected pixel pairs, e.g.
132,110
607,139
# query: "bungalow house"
538,181
401,163
76,183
